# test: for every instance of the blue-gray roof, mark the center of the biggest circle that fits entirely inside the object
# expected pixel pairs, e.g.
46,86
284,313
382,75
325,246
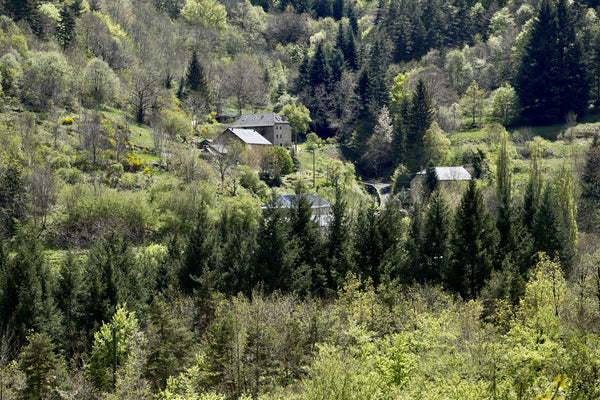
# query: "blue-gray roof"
257,120
289,200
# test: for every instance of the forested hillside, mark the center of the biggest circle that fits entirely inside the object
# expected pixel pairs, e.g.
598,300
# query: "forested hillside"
136,264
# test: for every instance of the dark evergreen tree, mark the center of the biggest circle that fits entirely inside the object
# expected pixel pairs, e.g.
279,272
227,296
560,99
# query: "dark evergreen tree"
276,255
338,245
238,244
195,79
419,118
379,92
430,183
368,245
352,19
338,9
323,8
170,344
552,54
71,296
415,244
436,239
27,292
68,18
202,250
44,369
319,70
111,279
22,9
549,235
309,275
504,222
473,244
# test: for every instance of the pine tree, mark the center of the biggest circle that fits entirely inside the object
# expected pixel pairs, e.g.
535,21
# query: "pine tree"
195,79
552,54
68,18
338,244
549,235
44,369
276,254
436,238
368,243
419,119
202,250
473,244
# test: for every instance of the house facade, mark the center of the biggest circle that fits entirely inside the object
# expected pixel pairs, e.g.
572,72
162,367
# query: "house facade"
248,137
271,126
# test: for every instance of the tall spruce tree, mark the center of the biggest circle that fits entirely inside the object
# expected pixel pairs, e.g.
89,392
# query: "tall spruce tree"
195,79
473,244
419,118
550,80
436,238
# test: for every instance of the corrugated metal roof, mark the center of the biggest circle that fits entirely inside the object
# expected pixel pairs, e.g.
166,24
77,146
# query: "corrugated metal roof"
250,136
450,173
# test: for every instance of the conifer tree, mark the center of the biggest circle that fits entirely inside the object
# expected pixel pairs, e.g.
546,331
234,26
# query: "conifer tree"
436,238
548,231
552,54
473,244
339,243
419,118
195,79
202,250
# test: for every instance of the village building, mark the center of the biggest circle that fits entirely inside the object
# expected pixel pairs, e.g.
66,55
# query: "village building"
271,126
248,137
451,179
321,209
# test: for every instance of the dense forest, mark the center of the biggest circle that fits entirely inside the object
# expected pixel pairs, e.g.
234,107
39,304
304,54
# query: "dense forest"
134,265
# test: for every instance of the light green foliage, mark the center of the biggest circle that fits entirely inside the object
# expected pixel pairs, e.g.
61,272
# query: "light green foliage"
88,214
546,299
298,116
458,70
398,94
99,82
46,80
565,190
49,11
206,13
10,70
501,22
129,341
435,144
473,103
505,104
313,141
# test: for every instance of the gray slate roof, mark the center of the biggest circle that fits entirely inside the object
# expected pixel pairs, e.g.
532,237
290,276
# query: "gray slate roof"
450,173
254,120
249,136
289,200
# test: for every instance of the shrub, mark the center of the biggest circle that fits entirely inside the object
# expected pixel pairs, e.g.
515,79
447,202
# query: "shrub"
132,163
